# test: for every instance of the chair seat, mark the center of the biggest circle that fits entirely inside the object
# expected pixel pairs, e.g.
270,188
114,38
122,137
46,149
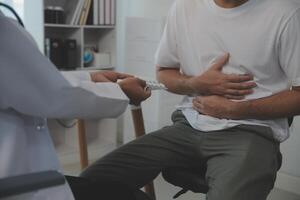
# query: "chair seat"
187,179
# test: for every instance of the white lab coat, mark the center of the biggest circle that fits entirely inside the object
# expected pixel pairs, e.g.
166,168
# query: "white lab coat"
31,90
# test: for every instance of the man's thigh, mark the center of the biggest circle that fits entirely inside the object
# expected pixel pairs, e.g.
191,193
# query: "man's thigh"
85,189
140,161
242,163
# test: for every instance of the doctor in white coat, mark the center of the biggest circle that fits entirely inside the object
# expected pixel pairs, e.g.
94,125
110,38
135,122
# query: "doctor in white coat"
32,89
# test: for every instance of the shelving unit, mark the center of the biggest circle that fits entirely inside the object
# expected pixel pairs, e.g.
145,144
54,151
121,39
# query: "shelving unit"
102,37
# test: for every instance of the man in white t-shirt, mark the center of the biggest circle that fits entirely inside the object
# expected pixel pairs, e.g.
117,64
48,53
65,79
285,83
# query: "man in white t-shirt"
227,122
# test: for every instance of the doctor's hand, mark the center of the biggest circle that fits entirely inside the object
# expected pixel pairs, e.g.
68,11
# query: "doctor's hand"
214,82
108,76
134,88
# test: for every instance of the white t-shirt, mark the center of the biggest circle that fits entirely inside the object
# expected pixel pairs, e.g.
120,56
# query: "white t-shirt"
262,37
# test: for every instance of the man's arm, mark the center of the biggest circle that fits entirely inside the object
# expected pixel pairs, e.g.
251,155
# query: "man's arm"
211,82
281,105
174,80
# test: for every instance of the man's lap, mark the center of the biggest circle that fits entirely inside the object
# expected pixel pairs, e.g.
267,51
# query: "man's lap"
244,166
235,153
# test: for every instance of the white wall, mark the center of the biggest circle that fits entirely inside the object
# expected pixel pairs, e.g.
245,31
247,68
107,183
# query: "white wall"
30,11
154,13
33,20
156,9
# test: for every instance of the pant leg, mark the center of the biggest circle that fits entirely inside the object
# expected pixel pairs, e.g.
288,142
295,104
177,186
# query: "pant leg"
241,163
85,189
139,162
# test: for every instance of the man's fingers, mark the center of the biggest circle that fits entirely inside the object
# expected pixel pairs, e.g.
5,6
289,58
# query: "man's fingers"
235,78
238,92
147,94
103,79
234,97
241,86
123,76
220,62
197,105
141,82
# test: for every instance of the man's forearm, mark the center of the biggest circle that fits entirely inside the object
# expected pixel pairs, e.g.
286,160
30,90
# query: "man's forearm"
211,82
175,81
284,104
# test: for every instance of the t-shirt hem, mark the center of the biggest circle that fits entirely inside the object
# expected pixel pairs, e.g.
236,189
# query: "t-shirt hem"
164,65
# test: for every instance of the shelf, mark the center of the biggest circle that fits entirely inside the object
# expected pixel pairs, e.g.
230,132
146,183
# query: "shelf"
80,26
99,26
100,37
62,26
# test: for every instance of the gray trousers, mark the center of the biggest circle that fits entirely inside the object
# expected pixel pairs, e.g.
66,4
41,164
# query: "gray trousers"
242,162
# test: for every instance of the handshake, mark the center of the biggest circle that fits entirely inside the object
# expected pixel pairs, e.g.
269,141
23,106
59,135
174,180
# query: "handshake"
133,87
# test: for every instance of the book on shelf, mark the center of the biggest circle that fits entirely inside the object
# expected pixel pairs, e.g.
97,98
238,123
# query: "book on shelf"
95,12
61,52
70,9
76,15
54,51
113,12
88,10
84,12
70,47
91,12
101,12
72,22
107,12
90,16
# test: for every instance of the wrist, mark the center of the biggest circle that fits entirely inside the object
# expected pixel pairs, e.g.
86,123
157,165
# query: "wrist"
93,76
195,86
188,86
236,109
120,85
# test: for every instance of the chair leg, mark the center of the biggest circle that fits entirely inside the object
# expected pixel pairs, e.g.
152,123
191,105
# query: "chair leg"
84,161
139,127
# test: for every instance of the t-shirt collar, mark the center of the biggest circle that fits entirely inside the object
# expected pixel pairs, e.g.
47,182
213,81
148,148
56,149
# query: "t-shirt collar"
229,12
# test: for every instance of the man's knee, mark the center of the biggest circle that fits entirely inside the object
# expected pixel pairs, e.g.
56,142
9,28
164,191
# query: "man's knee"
246,179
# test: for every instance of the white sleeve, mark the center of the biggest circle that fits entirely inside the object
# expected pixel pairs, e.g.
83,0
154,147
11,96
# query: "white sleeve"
289,49
76,75
167,54
30,83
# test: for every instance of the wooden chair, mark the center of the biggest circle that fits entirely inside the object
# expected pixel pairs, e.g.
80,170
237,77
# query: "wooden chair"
139,127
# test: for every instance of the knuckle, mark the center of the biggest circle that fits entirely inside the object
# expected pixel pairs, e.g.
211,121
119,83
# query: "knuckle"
241,92
243,86
239,79
236,92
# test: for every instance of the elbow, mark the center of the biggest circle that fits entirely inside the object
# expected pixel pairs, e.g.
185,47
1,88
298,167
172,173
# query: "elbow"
118,110
160,72
297,93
